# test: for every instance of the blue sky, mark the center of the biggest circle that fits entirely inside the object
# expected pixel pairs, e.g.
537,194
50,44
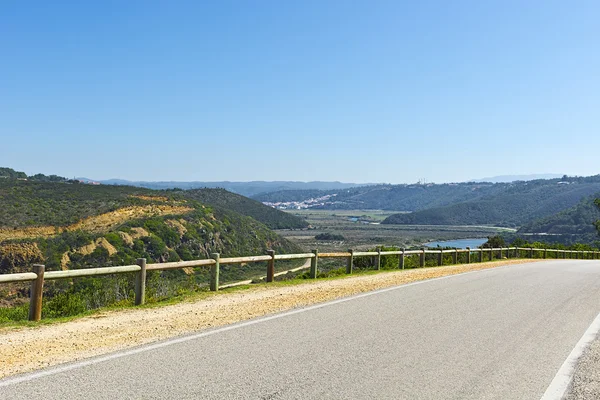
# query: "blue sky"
373,91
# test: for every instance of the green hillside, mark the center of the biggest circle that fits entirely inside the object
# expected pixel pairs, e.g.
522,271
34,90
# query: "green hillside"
514,205
220,198
69,225
576,224
32,203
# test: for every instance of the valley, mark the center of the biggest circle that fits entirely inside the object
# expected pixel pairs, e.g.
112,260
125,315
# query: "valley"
362,230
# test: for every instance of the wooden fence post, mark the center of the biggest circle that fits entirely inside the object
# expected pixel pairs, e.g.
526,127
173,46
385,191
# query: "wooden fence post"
491,257
422,258
215,269
468,255
545,253
271,266
531,252
36,294
441,258
480,255
350,265
140,282
378,260
314,262
401,260
455,257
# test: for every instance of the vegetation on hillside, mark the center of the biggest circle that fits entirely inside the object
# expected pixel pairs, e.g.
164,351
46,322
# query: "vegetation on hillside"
220,198
71,226
28,203
515,205
577,220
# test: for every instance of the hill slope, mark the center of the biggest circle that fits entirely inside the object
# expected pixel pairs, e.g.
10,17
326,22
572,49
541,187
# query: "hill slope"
76,226
576,224
220,198
514,205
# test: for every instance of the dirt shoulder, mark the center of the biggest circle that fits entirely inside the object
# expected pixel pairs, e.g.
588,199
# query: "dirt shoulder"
27,349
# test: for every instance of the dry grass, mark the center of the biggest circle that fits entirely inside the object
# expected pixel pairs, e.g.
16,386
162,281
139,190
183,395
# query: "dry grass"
96,224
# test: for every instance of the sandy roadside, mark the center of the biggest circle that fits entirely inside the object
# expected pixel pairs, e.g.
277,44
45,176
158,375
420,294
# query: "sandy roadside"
28,349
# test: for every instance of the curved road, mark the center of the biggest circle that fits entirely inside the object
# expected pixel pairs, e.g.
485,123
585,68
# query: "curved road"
502,333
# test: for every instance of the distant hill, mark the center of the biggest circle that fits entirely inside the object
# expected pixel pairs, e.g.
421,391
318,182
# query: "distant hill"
514,178
385,197
575,224
269,216
244,188
512,205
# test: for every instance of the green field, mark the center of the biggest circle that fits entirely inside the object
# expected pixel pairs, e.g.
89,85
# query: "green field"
362,230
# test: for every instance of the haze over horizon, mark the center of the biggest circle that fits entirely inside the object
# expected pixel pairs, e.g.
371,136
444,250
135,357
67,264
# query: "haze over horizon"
311,91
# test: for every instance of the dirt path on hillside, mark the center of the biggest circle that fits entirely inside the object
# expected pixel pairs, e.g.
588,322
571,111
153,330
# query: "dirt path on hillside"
27,349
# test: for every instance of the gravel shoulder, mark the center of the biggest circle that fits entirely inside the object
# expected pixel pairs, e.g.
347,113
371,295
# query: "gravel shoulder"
586,381
27,349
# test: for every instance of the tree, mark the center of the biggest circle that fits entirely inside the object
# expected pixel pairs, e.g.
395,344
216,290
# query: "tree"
494,242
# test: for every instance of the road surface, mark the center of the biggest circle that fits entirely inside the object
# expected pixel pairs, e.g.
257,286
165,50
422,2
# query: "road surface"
502,333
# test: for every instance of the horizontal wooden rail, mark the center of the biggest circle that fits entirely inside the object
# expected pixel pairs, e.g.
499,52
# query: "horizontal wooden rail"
293,256
13,278
238,260
78,273
411,252
334,255
364,253
179,264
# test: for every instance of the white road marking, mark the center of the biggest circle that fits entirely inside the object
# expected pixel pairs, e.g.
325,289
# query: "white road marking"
564,376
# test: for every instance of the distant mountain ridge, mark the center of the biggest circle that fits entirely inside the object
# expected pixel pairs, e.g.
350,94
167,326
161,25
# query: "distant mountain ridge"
247,189
515,178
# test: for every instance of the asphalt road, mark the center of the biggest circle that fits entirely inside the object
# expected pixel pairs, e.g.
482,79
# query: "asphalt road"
494,334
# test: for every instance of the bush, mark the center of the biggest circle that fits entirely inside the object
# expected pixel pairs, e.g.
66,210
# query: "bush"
329,236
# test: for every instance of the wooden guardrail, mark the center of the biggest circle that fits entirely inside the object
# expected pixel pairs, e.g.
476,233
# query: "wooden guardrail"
39,275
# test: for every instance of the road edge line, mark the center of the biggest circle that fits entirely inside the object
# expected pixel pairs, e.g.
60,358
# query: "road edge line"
563,378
